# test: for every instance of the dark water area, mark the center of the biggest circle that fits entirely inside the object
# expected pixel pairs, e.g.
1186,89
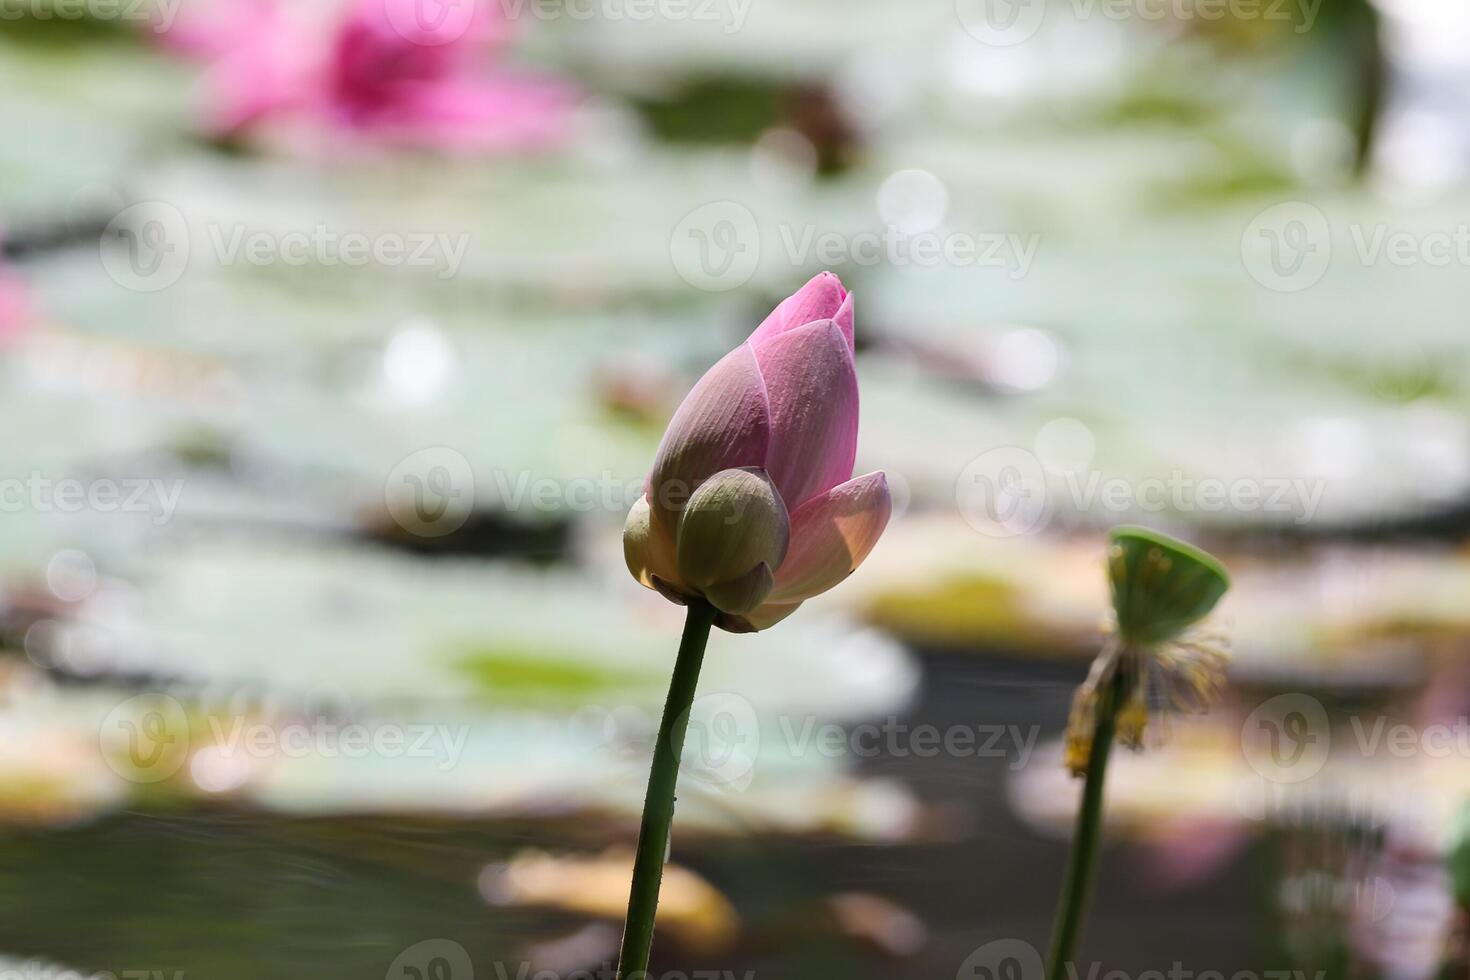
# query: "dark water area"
227,895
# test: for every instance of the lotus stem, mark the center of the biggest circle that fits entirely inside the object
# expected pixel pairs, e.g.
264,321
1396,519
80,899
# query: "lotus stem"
1082,860
658,804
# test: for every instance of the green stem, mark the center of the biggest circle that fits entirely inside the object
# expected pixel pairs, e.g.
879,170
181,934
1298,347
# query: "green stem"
658,805
1083,857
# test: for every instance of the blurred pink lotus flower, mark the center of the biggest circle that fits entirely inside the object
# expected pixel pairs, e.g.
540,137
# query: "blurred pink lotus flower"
388,70
751,503
16,309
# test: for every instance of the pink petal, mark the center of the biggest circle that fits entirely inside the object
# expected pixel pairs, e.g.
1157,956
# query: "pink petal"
844,320
490,114
723,423
820,299
812,385
765,616
831,535
270,65
208,29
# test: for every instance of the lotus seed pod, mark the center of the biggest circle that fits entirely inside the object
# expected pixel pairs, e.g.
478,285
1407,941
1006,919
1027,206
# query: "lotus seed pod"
1161,586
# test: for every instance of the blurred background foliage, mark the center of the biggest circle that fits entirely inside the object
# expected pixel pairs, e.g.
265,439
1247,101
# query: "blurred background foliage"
1122,322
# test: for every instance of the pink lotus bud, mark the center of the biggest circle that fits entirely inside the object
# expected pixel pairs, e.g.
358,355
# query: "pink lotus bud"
781,410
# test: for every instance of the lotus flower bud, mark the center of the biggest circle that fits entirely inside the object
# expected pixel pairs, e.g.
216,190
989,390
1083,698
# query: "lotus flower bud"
751,503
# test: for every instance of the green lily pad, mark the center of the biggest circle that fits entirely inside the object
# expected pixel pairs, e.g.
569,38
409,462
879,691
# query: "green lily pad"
517,675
